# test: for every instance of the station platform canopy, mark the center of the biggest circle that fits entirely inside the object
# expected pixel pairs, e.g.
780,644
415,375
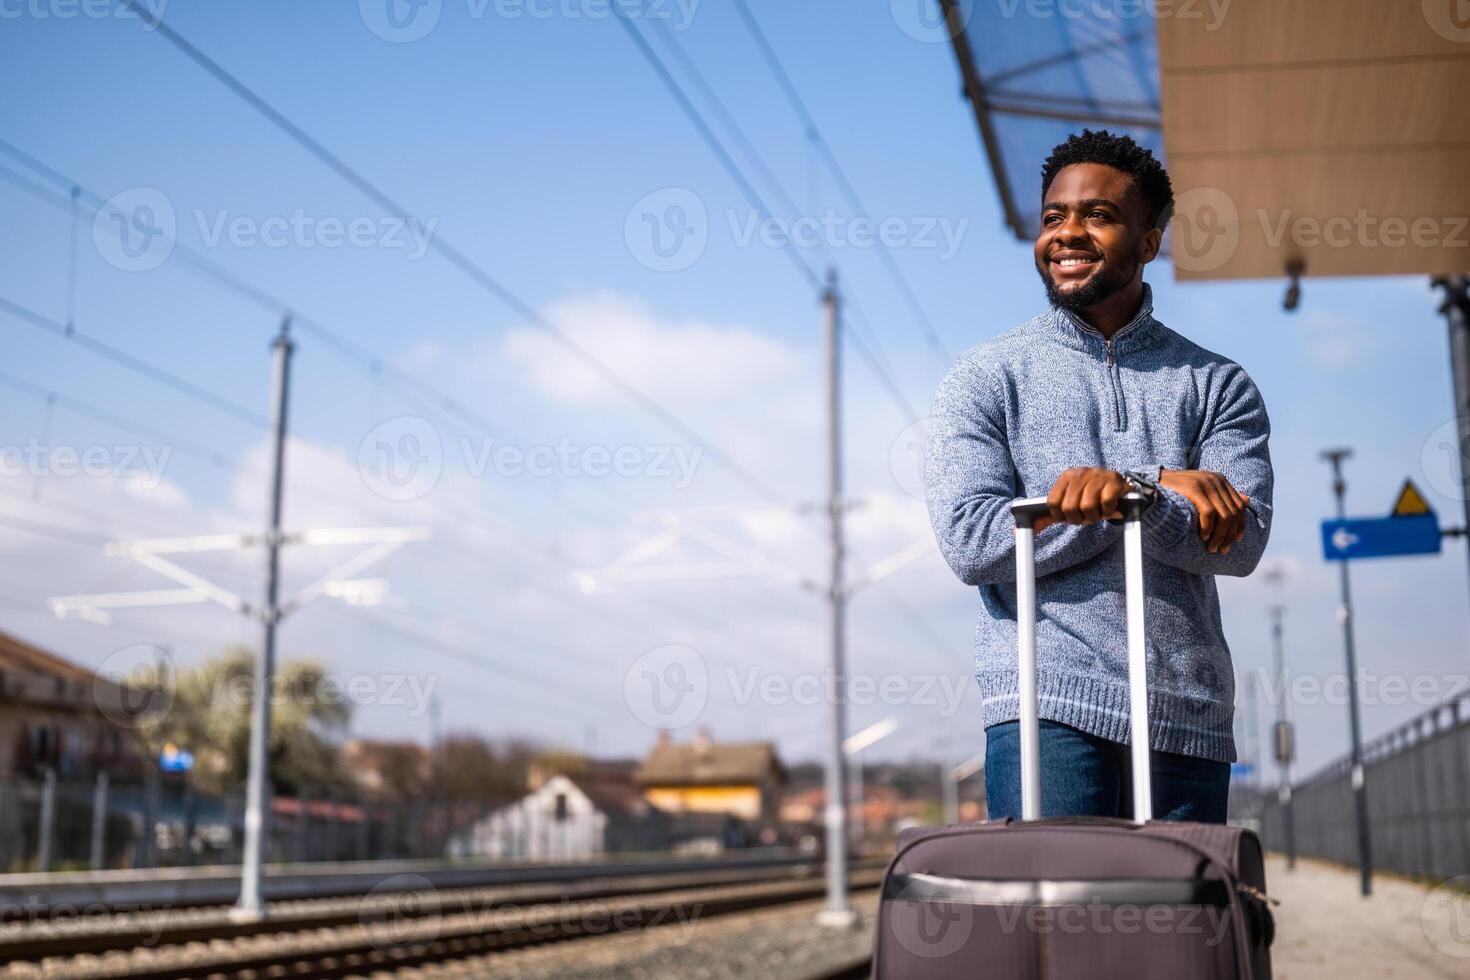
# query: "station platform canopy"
1320,135
1034,74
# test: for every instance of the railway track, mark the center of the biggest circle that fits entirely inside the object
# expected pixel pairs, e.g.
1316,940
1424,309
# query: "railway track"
409,928
37,896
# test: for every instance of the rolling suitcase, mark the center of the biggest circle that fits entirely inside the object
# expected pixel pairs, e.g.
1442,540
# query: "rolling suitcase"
1075,898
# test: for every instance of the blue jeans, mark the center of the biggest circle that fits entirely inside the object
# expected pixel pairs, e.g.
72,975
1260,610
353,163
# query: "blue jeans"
1083,775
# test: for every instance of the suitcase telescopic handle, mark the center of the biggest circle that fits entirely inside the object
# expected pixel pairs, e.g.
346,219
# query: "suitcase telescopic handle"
1026,510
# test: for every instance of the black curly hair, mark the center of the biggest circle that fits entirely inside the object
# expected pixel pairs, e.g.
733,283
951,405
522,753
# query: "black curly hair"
1120,153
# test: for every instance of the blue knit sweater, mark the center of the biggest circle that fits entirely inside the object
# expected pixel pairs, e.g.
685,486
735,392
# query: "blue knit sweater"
1011,415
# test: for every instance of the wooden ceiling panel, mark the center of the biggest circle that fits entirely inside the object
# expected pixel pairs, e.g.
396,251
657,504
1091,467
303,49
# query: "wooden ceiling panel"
1330,131
1195,35
1246,219
1351,107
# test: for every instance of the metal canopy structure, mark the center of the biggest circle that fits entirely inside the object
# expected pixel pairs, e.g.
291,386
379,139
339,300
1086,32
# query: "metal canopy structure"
1306,137
1035,73
1330,133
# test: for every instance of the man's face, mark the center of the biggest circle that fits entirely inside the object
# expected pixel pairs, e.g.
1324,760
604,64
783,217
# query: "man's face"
1095,236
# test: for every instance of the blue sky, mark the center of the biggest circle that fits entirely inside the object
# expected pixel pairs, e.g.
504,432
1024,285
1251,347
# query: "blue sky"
529,142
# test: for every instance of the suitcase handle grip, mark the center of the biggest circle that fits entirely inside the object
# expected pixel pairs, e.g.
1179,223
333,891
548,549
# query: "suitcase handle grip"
1119,823
1026,510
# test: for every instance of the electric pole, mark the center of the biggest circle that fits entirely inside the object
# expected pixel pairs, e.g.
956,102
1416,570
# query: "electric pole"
1456,310
157,555
1252,733
257,786
1334,458
1282,740
838,912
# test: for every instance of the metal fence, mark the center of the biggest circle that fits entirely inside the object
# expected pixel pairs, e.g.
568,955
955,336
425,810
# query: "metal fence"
1418,794
55,825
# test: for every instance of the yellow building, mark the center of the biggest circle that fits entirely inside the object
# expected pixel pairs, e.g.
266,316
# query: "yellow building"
734,779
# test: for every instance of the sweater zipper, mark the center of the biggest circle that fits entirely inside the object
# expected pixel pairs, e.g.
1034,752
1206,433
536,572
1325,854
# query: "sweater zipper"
1112,369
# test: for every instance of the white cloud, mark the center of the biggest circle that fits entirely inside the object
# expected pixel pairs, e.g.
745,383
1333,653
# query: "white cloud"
1333,340
495,579
889,518
681,361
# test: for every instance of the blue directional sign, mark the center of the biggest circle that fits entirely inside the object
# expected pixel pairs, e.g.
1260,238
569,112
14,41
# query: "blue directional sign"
1380,537
175,759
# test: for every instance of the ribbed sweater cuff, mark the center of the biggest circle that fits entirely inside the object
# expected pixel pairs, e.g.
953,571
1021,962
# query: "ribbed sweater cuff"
1177,724
1167,520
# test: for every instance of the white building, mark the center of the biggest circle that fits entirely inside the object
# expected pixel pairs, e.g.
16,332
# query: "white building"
566,818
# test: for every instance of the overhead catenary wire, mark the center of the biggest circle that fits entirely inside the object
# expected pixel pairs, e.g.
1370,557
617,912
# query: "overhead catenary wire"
452,254
336,342
88,410
783,78
466,655
134,364
37,608
378,370
347,349
163,436
318,150
422,392
752,196
920,625
109,522
102,518
216,459
57,532
863,333
87,538
155,25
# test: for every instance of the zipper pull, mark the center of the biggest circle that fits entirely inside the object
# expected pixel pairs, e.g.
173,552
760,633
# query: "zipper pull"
1108,347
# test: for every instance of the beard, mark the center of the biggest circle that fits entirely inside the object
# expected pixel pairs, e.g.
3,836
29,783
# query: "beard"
1107,280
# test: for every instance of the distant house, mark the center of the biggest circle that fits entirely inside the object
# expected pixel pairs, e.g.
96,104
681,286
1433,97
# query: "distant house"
740,780
391,769
566,818
58,715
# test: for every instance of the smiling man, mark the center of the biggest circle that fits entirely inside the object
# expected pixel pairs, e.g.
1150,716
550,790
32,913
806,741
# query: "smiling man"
1080,404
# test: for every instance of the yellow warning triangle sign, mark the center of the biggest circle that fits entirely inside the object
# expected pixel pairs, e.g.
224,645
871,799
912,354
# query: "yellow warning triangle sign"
1410,503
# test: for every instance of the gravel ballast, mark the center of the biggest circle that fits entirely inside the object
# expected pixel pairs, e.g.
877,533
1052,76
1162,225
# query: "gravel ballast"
783,943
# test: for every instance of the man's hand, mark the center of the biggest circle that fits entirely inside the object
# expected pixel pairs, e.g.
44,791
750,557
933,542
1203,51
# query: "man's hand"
1221,508
1084,495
